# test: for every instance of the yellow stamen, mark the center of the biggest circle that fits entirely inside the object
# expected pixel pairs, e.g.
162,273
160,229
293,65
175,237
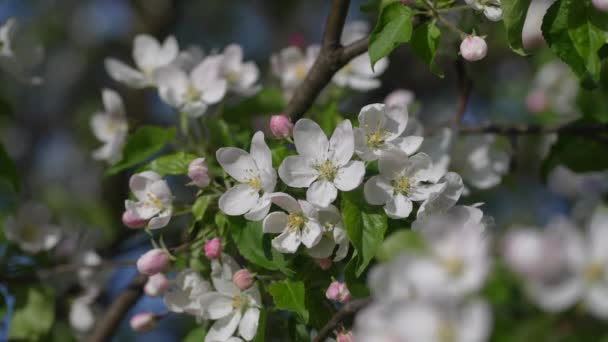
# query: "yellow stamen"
593,272
295,221
454,266
300,70
255,183
154,200
402,185
192,94
327,170
239,302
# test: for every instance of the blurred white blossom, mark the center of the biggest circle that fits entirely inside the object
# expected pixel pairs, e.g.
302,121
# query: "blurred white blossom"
291,65
110,127
491,8
31,228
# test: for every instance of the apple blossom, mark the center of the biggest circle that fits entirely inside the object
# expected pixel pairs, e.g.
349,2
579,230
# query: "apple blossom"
345,336
601,5
192,93
143,321
31,229
399,98
256,176
231,308
7,33
291,66
480,160
559,86
153,261
338,291
81,315
243,279
185,291
110,127
300,225
149,55
334,234
473,48
199,172
213,248
358,73
491,8
280,126
401,181
532,35
154,199
130,220
533,253
241,77
323,166
156,285
380,130
443,200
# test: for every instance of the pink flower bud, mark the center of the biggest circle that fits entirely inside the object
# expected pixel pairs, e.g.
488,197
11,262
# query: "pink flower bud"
473,48
213,248
143,321
153,261
280,126
156,285
132,221
536,101
242,279
601,5
296,39
324,263
199,172
345,336
338,292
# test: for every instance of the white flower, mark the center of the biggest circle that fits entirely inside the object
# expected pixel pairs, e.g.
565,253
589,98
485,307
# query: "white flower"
110,127
358,73
256,176
7,34
400,98
154,199
442,201
241,76
291,66
480,160
31,229
149,55
333,234
232,308
401,181
19,56
322,166
380,130
424,321
583,276
491,8
299,226
184,295
192,94
82,316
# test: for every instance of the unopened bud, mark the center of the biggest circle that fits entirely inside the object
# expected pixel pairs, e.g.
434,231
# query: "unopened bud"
280,126
242,279
601,5
133,221
156,285
143,321
338,292
213,248
473,48
324,263
345,336
153,261
199,172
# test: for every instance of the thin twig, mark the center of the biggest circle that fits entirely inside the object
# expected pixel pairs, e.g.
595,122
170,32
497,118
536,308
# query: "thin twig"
465,86
347,310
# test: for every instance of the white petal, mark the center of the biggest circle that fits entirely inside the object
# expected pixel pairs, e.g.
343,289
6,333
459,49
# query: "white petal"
287,242
223,328
260,209
286,202
398,207
121,72
342,143
207,72
409,145
361,148
350,176
112,102
214,91
372,117
556,297
173,85
363,83
145,52
377,191
237,163
275,222
193,109
238,200
249,324
597,300
141,209
493,13
323,249
215,305
321,193
396,121
392,163
311,233
296,172
421,192
233,57
310,140
260,152
168,51
419,166
249,75
160,221
140,182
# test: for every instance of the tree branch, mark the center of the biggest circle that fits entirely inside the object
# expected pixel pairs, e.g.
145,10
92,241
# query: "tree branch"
347,310
332,57
108,323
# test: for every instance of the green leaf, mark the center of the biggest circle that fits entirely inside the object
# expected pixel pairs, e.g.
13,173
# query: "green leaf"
399,242
260,335
587,38
171,164
425,41
196,335
289,295
266,102
593,104
394,27
141,145
578,153
8,171
514,16
34,313
255,246
199,208
365,226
